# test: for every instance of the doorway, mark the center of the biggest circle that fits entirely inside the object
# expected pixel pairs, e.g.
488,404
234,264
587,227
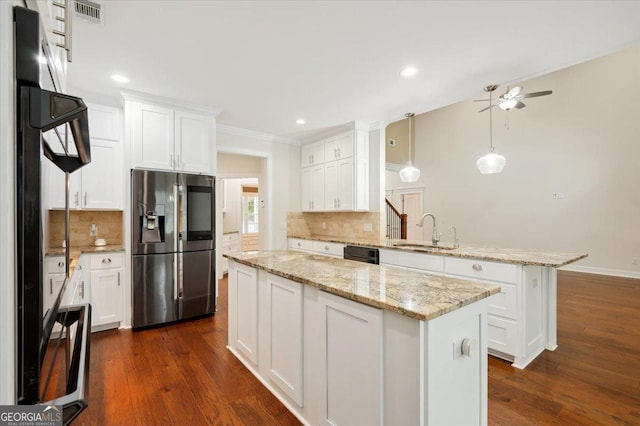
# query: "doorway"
411,202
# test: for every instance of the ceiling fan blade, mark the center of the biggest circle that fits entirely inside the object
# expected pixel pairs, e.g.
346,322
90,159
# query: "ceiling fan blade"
480,100
536,94
519,105
490,106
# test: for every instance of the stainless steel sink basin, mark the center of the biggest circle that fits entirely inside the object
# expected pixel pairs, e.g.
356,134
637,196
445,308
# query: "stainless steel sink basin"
425,246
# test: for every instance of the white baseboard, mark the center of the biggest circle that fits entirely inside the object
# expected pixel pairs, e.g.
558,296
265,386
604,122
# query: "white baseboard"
602,271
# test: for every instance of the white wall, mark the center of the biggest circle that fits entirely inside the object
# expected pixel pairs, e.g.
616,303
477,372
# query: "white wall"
582,141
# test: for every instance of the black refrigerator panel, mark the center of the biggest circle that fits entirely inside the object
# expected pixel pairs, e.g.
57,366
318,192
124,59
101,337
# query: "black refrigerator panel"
198,283
196,203
155,288
154,204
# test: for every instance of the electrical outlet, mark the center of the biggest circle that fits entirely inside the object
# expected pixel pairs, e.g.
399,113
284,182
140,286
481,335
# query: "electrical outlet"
93,230
558,195
392,142
635,261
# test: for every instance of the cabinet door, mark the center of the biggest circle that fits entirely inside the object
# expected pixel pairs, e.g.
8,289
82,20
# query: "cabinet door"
152,135
344,145
307,189
243,311
331,193
331,149
352,361
52,288
106,296
56,187
317,188
193,142
104,122
102,178
345,184
284,335
306,153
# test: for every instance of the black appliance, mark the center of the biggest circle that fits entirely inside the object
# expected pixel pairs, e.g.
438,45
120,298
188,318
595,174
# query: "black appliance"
173,246
40,108
362,254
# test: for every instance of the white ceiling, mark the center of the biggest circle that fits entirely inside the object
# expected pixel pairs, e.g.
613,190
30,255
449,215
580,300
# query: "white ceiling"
265,64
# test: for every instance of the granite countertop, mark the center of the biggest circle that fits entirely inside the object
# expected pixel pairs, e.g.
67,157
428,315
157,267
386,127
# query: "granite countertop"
411,293
466,251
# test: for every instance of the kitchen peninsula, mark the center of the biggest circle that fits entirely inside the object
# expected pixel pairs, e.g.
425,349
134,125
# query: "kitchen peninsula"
522,318
351,343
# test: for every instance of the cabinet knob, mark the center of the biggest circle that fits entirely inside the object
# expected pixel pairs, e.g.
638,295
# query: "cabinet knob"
326,248
465,347
477,267
60,264
106,260
299,245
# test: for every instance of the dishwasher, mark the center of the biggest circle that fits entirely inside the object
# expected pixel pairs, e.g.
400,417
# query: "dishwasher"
362,254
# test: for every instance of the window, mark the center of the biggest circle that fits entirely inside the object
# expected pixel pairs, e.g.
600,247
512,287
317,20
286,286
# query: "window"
249,212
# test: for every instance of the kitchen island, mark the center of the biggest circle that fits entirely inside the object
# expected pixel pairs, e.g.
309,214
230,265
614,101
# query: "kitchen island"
522,318
343,342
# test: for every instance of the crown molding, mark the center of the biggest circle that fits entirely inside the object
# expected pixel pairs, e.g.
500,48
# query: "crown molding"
132,95
231,130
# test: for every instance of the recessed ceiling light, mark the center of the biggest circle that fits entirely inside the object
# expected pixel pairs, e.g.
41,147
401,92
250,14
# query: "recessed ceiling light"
300,121
120,78
409,72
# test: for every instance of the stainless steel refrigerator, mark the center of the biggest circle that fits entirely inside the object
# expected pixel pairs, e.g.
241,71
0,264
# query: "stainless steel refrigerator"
173,246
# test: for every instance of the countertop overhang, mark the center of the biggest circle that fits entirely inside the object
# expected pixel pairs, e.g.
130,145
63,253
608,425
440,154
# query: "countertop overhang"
465,251
411,293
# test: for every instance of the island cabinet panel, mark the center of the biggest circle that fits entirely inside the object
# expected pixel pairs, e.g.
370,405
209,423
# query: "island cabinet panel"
352,361
243,311
281,320
456,364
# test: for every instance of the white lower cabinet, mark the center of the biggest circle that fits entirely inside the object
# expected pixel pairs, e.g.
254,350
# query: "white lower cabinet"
334,361
230,242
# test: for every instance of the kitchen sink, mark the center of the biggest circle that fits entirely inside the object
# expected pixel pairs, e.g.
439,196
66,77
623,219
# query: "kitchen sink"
425,246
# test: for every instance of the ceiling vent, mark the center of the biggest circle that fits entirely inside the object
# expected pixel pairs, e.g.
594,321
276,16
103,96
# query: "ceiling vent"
89,11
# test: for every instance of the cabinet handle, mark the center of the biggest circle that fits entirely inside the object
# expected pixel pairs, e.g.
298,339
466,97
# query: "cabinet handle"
50,285
179,162
118,279
75,199
106,260
171,161
338,149
465,346
82,290
85,199
60,264
299,245
477,267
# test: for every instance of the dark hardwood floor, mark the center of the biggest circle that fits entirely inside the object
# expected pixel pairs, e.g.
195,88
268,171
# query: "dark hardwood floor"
183,374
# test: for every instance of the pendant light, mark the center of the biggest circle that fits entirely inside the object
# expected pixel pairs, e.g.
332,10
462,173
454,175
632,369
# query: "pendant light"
409,173
491,162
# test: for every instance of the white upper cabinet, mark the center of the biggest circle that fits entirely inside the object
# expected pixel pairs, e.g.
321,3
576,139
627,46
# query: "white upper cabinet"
98,185
166,137
343,184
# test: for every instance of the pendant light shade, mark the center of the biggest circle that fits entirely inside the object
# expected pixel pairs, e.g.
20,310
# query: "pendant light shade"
409,173
491,162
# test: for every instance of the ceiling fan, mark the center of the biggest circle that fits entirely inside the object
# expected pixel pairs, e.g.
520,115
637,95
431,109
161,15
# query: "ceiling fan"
512,98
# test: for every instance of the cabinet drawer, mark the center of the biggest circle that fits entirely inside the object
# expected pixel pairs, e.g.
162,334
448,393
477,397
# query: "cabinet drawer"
106,261
501,335
231,237
504,303
331,249
481,270
56,265
419,261
300,244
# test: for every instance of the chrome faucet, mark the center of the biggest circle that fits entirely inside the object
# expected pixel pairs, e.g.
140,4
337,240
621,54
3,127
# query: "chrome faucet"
456,243
434,236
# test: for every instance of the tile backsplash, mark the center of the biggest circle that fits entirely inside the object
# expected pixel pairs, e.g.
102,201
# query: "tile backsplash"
334,224
109,225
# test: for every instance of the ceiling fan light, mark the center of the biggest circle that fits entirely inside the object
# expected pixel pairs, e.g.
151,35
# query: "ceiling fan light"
409,173
490,163
508,104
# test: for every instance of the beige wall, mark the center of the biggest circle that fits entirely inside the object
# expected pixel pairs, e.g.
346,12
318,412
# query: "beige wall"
582,141
238,164
398,131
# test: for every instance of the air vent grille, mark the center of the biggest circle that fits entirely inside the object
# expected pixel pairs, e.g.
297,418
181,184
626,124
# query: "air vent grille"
89,10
